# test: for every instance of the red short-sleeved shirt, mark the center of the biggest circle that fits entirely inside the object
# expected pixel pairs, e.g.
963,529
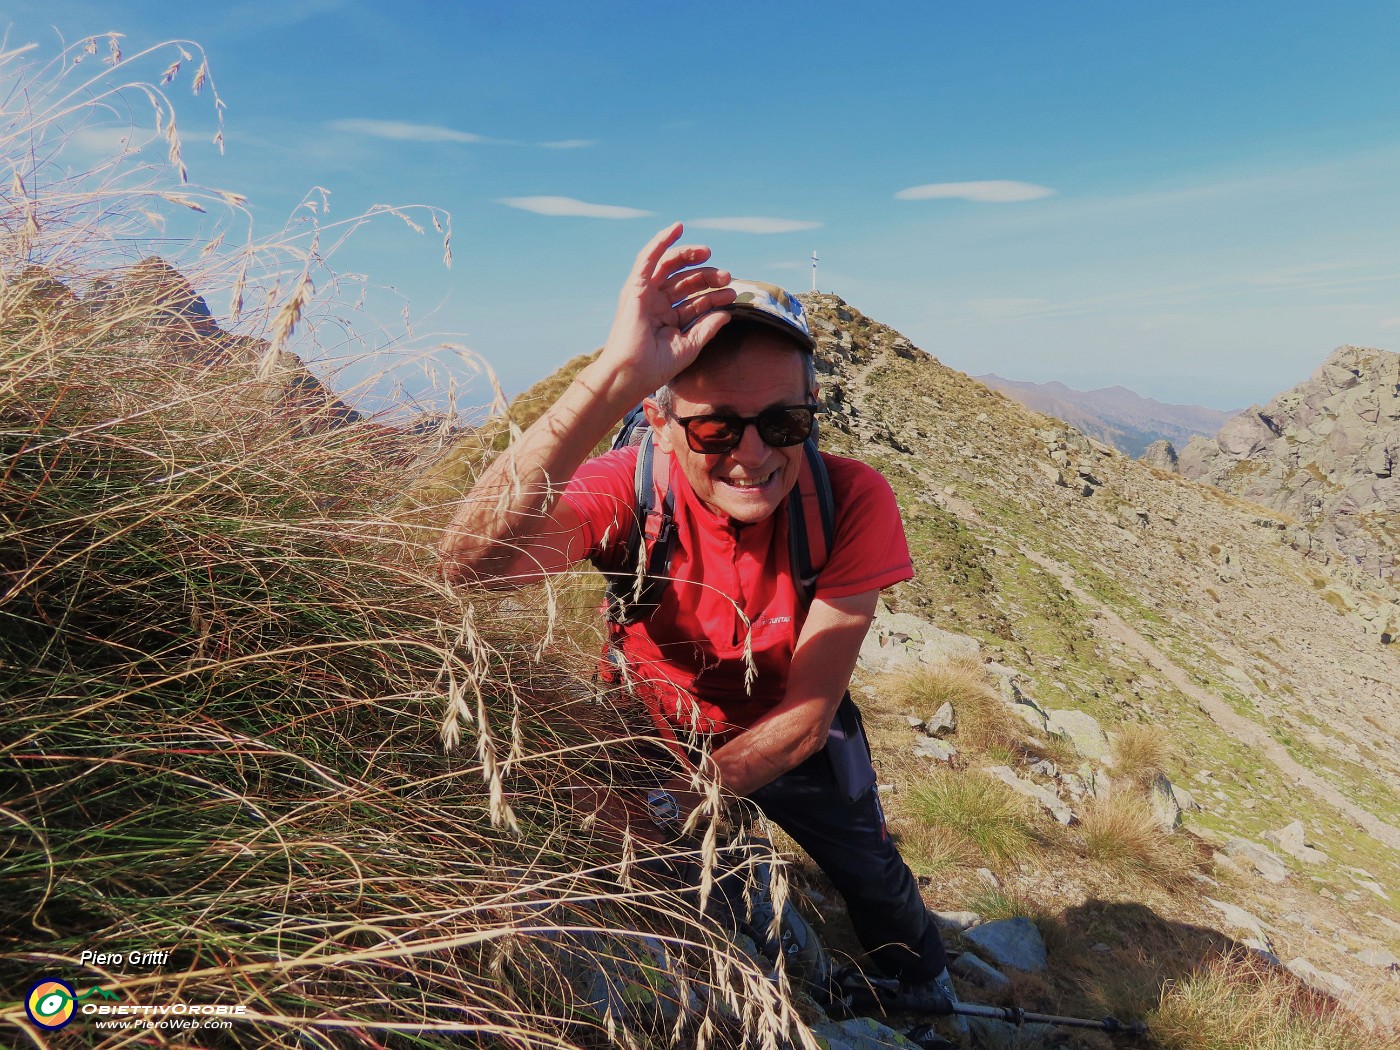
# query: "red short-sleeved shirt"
689,654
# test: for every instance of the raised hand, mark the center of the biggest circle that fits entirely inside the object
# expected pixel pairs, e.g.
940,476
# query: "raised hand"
512,528
667,289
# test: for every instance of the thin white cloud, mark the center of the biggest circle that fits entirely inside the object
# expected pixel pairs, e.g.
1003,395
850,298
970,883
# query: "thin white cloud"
997,309
992,191
405,131
751,224
1390,322
253,17
572,207
402,131
107,142
1231,288
1360,173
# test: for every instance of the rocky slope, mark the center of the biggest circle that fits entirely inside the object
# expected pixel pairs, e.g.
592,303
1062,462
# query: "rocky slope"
1100,585
1326,454
155,306
1115,415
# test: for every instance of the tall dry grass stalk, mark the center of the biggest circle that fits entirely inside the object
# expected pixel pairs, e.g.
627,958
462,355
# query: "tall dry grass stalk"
223,673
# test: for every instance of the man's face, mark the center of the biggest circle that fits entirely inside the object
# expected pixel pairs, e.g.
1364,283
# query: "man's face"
751,481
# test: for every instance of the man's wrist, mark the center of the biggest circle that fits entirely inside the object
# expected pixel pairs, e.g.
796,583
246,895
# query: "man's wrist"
664,811
617,389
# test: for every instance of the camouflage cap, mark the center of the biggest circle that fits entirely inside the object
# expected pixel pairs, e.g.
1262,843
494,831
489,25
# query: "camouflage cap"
770,305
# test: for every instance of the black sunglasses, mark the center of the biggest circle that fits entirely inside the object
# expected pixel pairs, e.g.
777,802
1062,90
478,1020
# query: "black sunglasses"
716,433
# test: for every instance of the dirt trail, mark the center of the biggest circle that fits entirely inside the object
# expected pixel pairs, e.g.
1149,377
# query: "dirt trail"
1222,714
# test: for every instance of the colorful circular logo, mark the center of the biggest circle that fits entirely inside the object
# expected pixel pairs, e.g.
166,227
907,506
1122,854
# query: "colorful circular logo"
51,1003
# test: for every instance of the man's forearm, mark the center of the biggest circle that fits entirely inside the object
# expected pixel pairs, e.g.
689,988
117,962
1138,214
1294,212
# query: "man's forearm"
797,729
755,757
513,497
765,752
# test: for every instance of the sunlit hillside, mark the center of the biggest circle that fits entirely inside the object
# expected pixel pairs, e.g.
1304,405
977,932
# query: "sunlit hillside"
249,730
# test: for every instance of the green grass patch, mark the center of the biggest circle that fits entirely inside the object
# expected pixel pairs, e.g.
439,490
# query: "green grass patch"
978,810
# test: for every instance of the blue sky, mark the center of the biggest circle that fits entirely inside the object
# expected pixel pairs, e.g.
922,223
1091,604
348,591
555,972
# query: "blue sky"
1196,200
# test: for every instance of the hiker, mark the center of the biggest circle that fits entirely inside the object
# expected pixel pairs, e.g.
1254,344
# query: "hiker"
743,672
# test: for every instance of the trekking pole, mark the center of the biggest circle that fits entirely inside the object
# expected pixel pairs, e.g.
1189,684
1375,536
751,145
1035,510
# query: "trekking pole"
1015,1015
887,994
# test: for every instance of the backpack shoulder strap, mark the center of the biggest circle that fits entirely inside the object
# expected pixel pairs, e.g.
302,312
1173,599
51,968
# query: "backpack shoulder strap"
811,521
635,586
634,428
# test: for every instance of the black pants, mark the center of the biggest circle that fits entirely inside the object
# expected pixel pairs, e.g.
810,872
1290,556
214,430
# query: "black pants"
850,843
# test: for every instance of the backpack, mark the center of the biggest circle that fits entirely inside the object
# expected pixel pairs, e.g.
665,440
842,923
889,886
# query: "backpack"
638,577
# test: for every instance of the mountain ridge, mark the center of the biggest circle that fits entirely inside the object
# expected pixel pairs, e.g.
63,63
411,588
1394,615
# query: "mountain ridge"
1114,414
1139,597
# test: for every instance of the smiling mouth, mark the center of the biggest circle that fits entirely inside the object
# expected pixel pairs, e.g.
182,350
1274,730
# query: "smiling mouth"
749,483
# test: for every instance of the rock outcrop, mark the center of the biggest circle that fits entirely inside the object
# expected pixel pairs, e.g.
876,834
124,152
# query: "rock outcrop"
1162,455
1010,942
1326,453
156,309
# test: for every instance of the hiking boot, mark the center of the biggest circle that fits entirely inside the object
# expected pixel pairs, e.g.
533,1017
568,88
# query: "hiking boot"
862,991
937,996
801,949
804,957
928,997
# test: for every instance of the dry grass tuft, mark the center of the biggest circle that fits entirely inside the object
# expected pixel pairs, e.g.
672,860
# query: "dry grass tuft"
1140,752
1122,834
1235,1004
937,850
976,814
1003,902
985,722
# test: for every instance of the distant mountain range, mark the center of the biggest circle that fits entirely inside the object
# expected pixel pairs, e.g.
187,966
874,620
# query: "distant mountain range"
1115,415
